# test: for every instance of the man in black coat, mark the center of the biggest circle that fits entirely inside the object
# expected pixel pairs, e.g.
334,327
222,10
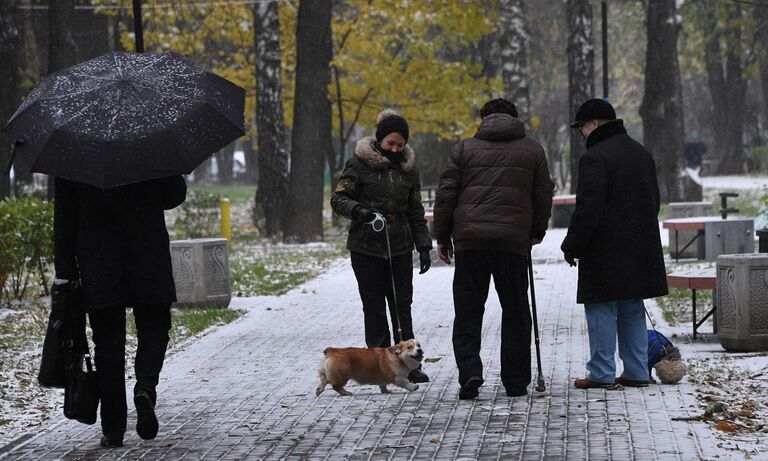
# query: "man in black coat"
614,234
113,243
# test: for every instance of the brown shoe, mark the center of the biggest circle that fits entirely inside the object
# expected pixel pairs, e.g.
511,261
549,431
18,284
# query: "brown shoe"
630,382
585,383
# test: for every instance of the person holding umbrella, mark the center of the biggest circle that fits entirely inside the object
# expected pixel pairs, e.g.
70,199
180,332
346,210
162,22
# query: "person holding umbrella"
115,245
493,203
380,184
614,234
118,132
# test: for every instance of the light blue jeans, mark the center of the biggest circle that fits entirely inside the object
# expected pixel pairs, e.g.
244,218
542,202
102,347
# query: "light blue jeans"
604,321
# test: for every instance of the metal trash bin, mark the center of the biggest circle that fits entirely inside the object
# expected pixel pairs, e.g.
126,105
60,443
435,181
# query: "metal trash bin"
762,240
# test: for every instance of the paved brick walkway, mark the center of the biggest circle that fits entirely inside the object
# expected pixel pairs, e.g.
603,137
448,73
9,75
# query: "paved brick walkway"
247,392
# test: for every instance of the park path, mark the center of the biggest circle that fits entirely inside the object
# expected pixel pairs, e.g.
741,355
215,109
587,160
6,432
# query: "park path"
246,391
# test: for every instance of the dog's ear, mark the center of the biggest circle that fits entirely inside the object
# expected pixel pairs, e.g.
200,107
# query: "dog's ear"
394,349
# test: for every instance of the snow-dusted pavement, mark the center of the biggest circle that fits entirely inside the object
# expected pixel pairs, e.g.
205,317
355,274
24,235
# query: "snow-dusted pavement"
246,391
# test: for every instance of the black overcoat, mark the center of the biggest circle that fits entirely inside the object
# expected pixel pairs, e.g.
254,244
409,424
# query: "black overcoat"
614,230
115,240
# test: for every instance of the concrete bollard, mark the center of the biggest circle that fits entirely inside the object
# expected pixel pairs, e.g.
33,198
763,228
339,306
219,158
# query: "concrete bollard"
201,272
742,301
688,210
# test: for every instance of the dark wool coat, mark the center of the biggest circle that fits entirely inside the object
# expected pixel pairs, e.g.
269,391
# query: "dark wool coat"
614,231
115,241
496,192
369,179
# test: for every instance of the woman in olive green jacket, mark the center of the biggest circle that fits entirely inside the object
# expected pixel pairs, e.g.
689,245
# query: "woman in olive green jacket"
381,178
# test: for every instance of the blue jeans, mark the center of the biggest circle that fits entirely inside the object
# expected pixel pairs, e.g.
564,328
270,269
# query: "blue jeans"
604,321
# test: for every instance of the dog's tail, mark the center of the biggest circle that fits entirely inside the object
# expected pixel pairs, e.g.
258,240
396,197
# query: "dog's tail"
670,371
323,377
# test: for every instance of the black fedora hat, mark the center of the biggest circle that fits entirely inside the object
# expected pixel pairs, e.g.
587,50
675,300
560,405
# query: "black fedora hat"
594,109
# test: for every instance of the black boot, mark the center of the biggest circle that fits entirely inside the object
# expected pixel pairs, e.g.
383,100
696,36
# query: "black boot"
418,376
146,421
111,441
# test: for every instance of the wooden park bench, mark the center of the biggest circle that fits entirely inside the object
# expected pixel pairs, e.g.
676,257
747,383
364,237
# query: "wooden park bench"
695,279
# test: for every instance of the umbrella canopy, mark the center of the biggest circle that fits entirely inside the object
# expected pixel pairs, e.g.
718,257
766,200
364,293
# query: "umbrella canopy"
127,117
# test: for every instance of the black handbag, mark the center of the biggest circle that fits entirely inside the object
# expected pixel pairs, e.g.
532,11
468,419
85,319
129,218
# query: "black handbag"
81,397
58,343
66,361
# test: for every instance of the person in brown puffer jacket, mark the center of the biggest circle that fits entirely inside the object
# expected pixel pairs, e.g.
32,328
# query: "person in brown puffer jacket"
494,200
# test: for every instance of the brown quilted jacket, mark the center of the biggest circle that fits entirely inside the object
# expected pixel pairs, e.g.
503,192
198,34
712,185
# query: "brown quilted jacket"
496,192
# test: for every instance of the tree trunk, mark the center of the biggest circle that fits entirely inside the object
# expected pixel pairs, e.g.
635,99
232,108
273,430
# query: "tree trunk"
62,47
270,124
726,85
581,72
91,34
224,160
513,39
311,136
10,50
662,106
761,40
251,163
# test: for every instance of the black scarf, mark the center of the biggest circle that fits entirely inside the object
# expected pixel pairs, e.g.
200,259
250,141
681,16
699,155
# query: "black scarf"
396,158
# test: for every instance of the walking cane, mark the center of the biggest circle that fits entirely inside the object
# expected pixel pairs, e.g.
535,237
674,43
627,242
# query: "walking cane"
378,224
540,379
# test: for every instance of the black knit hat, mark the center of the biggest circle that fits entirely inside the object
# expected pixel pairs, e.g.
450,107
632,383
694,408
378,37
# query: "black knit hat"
594,109
391,123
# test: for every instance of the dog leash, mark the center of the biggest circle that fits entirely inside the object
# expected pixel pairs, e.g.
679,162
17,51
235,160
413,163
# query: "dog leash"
658,335
378,224
647,314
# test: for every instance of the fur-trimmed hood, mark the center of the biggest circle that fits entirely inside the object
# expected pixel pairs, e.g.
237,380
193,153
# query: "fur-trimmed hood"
365,152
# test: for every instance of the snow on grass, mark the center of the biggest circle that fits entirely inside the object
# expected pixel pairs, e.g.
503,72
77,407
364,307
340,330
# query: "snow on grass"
264,268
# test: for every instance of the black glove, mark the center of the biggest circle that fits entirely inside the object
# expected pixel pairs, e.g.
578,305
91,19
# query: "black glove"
425,261
363,214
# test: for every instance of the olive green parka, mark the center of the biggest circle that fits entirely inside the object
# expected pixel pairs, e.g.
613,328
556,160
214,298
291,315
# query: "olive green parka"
369,179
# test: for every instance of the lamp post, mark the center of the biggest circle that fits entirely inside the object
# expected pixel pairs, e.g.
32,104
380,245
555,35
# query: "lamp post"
604,8
138,28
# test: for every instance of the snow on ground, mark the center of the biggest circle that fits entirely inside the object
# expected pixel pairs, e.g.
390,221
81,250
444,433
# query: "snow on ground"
731,388
735,182
24,404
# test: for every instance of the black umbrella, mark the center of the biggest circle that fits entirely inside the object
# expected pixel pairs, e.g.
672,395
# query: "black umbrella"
127,117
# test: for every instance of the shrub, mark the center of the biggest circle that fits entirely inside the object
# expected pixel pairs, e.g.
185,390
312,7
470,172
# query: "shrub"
761,218
199,215
758,158
26,244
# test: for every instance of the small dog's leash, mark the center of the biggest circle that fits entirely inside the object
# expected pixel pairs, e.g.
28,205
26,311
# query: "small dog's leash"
658,335
647,314
378,224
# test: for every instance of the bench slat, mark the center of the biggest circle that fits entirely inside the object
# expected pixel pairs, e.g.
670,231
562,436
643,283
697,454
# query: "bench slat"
693,279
